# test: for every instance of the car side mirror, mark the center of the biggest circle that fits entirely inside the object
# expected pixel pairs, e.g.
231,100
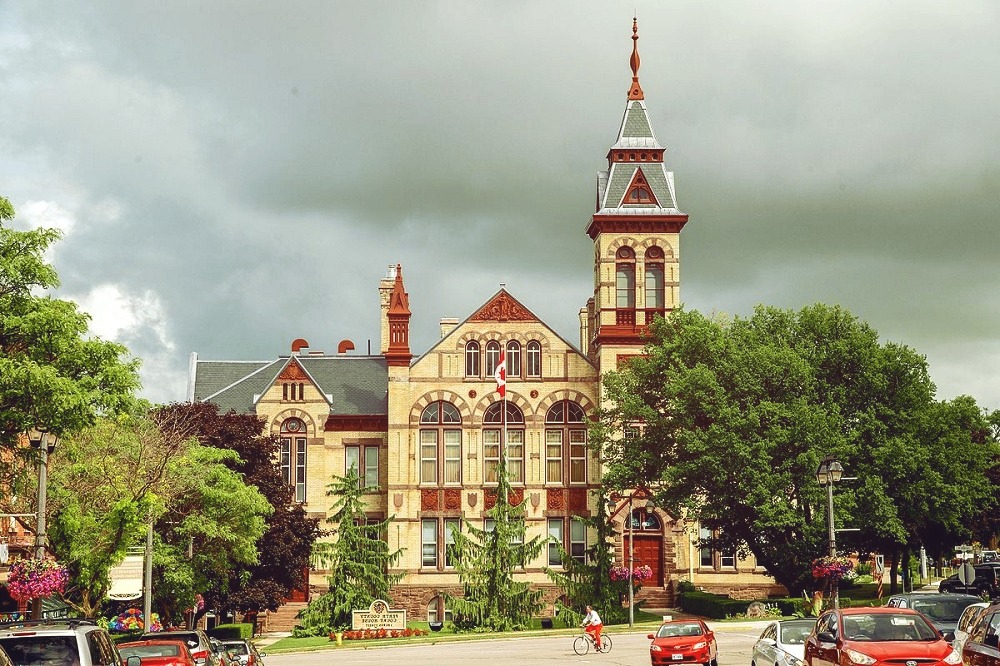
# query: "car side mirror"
769,641
650,636
134,660
826,637
949,636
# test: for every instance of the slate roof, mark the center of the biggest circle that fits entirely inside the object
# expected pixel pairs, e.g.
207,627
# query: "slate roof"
612,185
353,385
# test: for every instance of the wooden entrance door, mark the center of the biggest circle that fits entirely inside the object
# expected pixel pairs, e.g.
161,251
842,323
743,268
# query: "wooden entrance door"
648,551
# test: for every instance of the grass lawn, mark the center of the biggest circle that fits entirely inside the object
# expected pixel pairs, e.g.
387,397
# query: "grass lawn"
447,634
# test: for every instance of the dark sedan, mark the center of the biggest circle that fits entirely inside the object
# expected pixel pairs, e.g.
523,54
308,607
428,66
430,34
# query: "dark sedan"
943,610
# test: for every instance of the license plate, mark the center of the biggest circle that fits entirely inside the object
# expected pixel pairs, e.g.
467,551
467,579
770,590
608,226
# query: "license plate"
677,657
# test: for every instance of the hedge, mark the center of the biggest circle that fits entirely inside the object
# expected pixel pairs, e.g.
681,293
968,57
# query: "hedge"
232,632
719,607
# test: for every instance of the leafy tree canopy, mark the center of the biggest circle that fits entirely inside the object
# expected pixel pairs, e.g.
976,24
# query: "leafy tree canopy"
52,375
731,420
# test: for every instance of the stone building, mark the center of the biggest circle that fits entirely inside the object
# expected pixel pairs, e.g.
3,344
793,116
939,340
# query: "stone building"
424,431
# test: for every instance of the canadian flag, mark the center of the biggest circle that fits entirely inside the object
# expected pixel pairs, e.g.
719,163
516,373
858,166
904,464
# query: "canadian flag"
500,374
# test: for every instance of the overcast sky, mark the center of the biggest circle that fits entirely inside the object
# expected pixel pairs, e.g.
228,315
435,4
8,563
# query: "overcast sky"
231,176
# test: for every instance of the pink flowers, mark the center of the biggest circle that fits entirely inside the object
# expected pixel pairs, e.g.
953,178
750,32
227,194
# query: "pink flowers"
639,574
30,579
833,568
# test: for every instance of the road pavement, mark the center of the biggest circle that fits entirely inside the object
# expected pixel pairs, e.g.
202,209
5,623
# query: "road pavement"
735,643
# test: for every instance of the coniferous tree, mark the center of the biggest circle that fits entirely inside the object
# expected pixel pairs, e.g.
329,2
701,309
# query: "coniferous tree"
589,582
358,560
485,560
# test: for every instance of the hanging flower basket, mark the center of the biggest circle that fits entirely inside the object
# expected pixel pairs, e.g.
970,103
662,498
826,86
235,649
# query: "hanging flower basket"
31,579
639,574
831,568
131,620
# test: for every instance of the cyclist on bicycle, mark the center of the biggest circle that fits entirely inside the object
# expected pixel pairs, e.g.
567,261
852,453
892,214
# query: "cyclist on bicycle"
592,625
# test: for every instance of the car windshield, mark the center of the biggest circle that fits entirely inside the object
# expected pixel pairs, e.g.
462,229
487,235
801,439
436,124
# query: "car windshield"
888,627
670,630
795,633
41,650
161,650
942,610
236,648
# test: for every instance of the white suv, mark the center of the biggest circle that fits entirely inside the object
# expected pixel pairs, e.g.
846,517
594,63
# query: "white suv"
62,642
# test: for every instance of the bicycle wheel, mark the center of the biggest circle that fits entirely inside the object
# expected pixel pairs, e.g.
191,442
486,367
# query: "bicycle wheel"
605,643
581,645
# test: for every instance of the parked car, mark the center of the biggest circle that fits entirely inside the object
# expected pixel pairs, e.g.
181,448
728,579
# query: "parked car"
782,643
5,659
943,610
986,582
222,654
197,641
683,642
982,647
31,642
246,652
966,622
157,652
877,637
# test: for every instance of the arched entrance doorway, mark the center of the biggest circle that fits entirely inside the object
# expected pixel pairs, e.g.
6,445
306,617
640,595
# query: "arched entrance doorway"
647,543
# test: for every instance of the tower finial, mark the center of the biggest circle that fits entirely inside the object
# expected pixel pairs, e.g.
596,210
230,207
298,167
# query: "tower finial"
635,92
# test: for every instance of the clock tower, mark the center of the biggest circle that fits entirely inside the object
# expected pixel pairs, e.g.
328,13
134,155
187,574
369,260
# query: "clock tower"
636,233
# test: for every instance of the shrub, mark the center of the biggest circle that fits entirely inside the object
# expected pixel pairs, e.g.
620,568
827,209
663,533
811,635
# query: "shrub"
232,632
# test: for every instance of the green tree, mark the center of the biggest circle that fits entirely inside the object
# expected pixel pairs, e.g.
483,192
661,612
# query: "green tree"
588,582
486,559
52,375
358,559
105,484
285,547
732,418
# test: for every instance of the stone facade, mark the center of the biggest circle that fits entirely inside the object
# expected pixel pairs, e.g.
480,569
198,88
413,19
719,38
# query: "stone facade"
425,431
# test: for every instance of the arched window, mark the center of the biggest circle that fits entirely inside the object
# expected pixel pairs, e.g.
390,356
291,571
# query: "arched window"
534,359
493,438
472,359
492,357
441,444
513,359
293,455
565,443
625,285
437,612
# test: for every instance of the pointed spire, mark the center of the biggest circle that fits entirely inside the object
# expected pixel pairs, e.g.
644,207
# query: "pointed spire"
399,301
635,92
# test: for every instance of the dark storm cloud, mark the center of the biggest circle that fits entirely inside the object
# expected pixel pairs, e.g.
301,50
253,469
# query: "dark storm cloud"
250,169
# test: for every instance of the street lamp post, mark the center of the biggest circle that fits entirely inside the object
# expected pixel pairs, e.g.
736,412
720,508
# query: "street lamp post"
45,443
631,553
828,473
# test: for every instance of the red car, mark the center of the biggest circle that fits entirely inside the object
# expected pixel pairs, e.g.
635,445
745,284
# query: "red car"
159,652
877,637
683,642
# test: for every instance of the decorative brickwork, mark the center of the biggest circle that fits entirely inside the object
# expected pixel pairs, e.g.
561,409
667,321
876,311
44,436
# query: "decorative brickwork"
578,501
429,500
516,496
503,307
555,499
453,499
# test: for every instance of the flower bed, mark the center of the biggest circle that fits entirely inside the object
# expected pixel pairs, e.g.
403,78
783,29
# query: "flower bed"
368,634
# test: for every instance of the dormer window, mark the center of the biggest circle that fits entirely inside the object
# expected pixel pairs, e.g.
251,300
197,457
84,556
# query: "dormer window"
639,192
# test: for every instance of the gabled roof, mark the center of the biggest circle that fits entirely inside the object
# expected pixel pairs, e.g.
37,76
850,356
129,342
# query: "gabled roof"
503,307
352,385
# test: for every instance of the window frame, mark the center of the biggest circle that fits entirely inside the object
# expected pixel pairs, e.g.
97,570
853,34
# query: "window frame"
561,418
472,360
513,359
533,359
293,456
493,437
368,474
445,423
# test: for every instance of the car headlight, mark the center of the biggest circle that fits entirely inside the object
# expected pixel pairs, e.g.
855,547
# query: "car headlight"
953,658
655,648
793,661
859,657
698,646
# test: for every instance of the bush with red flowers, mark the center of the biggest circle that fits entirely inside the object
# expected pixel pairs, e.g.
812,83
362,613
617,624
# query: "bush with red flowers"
370,634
